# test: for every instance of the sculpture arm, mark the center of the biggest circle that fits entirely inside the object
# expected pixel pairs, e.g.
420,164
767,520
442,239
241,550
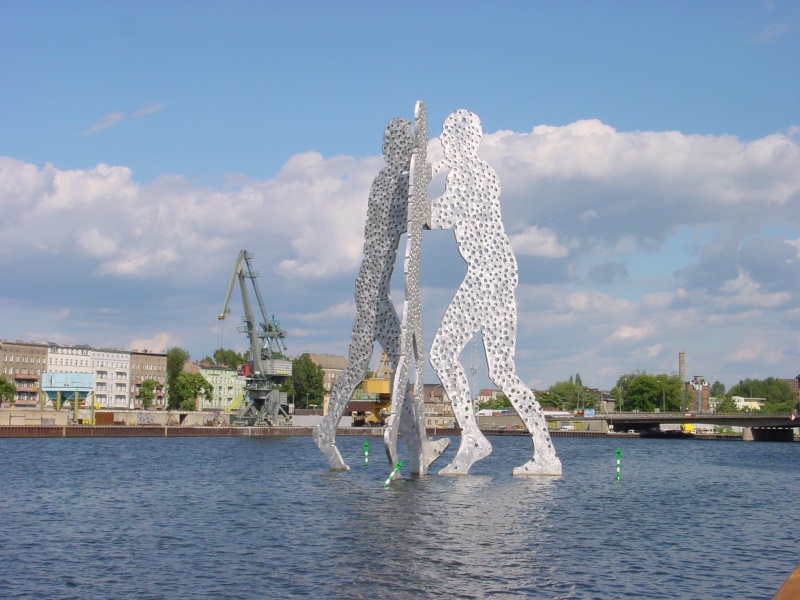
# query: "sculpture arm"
439,212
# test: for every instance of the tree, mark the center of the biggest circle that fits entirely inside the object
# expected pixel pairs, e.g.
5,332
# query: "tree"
189,387
176,358
305,386
7,390
499,403
726,404
229,358
572,394
717,389
778,395
147,391
645,392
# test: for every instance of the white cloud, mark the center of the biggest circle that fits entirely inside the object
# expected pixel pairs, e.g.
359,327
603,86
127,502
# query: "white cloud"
159,342
536,241
755,352
115,118
588,204
796,245
745,292
633,333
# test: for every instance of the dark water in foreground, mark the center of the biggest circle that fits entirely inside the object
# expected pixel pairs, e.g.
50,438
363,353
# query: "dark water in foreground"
264,518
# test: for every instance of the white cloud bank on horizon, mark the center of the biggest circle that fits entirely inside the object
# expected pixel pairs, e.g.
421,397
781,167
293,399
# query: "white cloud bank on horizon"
583,200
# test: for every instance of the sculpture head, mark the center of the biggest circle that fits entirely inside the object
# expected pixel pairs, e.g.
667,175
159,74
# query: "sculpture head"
398,142
461,134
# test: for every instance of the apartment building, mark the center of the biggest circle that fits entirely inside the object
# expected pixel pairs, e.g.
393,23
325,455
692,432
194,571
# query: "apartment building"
22,363
69,359
148,365
332,367
228,387
438,408
112,369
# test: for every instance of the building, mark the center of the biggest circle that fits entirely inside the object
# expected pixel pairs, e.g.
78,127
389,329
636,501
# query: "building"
438,408
794,384
228,387
749,403
332,367
69,359
698,392
112,369
22,364
148,365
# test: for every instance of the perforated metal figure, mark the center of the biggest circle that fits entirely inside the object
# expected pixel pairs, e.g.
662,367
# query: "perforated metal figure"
485,301
376,318
408,408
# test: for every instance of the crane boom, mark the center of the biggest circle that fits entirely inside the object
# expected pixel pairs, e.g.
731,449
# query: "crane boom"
267,368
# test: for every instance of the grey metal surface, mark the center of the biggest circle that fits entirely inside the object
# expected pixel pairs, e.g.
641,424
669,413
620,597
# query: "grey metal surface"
376,318
408,408
485,300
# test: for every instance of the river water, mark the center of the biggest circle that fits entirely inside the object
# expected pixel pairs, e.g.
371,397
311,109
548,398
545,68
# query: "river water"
264,518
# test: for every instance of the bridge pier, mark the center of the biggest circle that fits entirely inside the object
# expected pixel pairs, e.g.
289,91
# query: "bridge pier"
763,434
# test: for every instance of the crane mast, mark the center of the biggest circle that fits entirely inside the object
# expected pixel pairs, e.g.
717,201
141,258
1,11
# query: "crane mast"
264,403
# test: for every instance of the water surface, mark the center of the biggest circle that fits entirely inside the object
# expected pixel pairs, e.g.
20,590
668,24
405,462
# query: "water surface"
264,518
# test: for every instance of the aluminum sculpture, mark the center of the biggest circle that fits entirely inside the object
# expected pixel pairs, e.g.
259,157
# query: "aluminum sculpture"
408,409
485,302
376,318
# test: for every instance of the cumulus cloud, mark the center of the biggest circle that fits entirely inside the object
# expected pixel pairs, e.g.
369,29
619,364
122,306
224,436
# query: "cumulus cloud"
585,205
630,332
159,342
536,241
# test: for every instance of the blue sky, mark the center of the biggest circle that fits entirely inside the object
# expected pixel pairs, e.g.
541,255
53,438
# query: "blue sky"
649,155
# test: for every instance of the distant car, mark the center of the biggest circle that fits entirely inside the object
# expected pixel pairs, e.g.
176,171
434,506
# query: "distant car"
568,427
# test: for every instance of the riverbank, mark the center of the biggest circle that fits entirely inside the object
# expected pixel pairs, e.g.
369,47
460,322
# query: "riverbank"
100,431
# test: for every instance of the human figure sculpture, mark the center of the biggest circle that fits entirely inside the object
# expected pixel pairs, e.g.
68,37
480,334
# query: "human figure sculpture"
376,318
388,217
485,300
408,408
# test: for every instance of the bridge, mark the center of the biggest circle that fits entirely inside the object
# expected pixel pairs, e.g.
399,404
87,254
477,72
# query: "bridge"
756,426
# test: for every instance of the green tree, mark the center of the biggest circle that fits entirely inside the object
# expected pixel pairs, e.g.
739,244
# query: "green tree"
643,391
229,358
7,390
571,394
778,395
306,385
147,391
189,387
176,358
726,404
499,403
717,389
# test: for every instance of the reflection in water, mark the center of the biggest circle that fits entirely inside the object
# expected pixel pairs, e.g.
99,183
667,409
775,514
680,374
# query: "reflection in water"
255,518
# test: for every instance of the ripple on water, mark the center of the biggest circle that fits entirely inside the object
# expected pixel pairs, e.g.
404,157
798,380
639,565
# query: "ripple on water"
255,518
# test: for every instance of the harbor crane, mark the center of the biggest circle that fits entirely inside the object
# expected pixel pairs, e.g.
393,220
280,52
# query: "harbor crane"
263,404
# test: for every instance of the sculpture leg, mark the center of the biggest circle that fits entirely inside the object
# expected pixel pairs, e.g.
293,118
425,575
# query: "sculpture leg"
387,334
324,433
450,340
426,451
502,373
399,405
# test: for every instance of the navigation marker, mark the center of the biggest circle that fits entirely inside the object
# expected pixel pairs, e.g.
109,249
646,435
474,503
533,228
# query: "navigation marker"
392,474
